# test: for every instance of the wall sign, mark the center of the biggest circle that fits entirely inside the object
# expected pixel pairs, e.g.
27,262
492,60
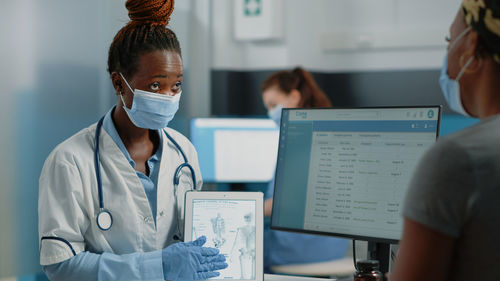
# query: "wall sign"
258,19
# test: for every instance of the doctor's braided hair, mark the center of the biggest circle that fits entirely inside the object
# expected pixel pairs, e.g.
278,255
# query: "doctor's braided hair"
145,32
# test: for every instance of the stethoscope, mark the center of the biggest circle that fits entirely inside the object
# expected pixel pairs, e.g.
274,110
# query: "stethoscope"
104,218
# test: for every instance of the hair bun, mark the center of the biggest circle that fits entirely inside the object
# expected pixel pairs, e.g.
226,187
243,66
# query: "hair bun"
150,11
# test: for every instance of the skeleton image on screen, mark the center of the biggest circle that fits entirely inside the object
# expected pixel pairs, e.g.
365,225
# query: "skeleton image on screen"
229,225
219,229
245,243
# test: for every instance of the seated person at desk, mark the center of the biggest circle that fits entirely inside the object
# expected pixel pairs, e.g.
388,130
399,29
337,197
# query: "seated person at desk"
451,212
292,89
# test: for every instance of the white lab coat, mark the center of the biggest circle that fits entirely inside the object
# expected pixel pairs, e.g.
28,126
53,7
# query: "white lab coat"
68,198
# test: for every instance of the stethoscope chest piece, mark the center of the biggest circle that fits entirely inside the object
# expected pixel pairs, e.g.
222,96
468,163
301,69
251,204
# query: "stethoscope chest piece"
104,219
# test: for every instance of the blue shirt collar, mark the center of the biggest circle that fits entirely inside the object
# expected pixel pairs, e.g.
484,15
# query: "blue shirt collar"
109,126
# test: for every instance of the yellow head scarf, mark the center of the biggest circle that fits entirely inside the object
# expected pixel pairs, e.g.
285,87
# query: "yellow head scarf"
484,17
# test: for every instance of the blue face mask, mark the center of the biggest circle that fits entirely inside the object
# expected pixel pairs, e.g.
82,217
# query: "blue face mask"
150,110
450,87
275,114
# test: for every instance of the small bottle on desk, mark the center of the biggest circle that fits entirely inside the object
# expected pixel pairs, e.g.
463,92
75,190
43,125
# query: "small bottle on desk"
367,270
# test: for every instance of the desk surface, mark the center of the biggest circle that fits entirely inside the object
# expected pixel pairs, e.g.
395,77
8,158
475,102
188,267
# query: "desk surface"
340,267
276,277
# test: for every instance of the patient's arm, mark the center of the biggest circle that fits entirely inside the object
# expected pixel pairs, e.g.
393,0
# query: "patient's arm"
424,254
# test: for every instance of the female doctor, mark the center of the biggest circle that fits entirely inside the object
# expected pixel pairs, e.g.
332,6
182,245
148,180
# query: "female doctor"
111,197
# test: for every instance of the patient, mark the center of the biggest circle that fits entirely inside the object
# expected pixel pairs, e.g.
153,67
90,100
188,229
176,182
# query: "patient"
452,210
294,89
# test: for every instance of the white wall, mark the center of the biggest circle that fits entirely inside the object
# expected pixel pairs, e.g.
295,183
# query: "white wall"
40,41
306,22
16,56
191,23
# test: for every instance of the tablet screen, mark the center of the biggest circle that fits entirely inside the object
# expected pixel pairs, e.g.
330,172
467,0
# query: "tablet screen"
229,226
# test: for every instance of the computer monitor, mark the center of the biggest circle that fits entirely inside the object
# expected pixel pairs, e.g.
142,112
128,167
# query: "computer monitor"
345,172
235,150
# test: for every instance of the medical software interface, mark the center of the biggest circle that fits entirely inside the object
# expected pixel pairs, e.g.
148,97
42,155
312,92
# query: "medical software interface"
229,226
346,171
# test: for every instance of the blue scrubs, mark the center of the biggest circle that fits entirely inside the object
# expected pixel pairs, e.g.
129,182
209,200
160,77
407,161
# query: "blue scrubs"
282,247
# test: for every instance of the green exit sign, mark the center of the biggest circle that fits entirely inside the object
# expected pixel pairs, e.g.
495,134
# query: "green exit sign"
253,8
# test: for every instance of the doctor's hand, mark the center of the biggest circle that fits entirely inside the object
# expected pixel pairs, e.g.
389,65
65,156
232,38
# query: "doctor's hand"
191,261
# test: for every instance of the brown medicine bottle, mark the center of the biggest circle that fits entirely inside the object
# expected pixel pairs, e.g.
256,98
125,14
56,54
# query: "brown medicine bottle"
367,270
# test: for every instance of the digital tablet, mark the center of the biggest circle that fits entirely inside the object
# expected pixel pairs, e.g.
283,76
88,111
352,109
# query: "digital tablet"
233,223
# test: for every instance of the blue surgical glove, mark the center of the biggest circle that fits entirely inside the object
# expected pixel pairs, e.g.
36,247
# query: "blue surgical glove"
191,261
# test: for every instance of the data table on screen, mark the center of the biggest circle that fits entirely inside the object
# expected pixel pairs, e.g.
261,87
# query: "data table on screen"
346,171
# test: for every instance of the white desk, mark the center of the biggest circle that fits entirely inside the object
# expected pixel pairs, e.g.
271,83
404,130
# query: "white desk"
340,267
274,277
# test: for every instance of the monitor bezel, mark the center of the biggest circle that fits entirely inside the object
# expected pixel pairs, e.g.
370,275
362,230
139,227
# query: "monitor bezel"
343,235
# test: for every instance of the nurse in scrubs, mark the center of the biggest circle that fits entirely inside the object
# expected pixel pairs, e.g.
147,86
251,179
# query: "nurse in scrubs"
294,89
111,197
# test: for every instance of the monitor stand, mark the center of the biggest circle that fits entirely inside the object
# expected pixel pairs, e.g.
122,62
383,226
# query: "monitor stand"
381,252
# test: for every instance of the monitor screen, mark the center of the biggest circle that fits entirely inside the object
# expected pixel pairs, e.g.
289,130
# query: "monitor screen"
235,149
345,172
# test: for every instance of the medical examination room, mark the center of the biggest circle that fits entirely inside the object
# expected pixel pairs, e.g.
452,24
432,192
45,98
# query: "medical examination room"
252,140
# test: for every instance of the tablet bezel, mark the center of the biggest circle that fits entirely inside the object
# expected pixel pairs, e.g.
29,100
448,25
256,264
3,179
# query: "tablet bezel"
231,195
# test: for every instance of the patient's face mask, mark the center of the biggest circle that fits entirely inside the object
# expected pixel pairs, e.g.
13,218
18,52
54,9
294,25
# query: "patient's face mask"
150,110
450,87
275,114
